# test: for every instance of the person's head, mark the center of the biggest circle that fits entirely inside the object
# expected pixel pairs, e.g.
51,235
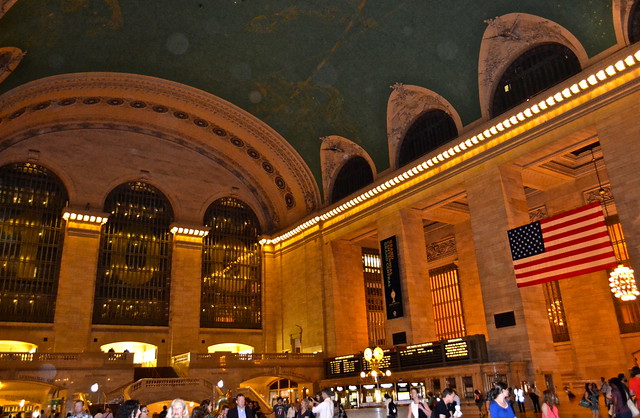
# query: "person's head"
129,409
240,400
447,395
326,393
78,406
224,411
279,400
415,395
587,387
178,409
499,389
144,411
602,379
550,397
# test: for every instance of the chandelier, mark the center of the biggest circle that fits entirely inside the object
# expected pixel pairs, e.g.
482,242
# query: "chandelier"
621,280
623,283
374,358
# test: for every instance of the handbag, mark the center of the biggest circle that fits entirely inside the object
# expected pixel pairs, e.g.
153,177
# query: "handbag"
585,403
632,407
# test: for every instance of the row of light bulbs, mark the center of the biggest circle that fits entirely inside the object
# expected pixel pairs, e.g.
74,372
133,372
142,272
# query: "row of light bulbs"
508,123
101,220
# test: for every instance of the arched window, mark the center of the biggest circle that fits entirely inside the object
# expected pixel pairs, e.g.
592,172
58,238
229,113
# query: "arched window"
534,71
354,175
31,236
634,23
134,266
428,132
231,267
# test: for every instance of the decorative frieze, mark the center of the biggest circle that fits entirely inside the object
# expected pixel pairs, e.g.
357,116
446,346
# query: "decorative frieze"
441,249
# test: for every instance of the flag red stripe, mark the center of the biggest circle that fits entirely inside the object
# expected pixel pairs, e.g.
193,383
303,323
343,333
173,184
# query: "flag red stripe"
565,275
572,212
596,217
558,266
596,237
560,256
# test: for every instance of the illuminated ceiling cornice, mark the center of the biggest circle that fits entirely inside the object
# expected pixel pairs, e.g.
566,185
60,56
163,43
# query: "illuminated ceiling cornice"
593,82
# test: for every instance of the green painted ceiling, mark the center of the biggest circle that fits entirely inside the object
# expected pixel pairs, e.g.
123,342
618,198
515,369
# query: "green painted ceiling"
307,68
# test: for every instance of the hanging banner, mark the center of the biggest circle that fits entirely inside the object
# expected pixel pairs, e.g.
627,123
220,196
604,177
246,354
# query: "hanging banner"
391,275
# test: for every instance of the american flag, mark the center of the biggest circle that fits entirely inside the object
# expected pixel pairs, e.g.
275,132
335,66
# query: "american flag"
565,245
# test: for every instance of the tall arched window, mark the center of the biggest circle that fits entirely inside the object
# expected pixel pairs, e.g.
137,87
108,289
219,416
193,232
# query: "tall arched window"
31,236
354,175
534,71
134,267
231,267
634,23
428,132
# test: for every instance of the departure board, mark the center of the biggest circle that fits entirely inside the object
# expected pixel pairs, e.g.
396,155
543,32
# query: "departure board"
468,349
343,366
456,349
421,355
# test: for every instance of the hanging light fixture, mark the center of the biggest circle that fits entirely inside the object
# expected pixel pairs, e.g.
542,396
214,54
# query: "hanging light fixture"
621,280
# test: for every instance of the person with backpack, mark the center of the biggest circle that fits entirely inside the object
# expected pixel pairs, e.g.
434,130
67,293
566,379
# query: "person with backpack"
392,408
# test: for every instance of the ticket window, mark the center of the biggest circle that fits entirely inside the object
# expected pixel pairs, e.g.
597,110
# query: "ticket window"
402,391
467,387
353,396
387,388
371,394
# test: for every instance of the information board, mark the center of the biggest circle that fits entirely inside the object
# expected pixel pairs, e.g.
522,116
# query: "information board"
421,355
456,349
343,366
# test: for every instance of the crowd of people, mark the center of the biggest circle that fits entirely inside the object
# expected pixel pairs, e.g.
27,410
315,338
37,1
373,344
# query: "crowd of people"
618,395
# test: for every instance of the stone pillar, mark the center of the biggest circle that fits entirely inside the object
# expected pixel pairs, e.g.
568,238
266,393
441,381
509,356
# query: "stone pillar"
407,226
76,286
497,203
184,311
347,328
618,136
470,288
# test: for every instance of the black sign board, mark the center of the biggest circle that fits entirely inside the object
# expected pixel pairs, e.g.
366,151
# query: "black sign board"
456,349
391,274
343,366
420,355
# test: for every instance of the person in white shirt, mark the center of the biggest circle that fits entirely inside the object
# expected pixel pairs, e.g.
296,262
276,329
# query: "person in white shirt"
324,408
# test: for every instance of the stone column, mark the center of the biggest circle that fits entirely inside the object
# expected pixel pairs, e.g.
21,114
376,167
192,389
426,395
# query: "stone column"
184,310
406,225
618,136
470,287
497,203
76,286
347,328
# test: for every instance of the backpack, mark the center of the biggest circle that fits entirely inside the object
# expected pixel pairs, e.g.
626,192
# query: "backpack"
393,409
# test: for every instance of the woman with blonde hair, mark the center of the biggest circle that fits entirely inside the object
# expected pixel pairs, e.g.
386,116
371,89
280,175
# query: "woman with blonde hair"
178,409
549,402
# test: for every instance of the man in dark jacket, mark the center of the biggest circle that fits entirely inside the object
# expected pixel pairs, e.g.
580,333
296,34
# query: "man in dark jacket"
240,410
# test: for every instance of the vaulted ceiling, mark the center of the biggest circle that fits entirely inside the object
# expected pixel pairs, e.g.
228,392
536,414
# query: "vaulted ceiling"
308,69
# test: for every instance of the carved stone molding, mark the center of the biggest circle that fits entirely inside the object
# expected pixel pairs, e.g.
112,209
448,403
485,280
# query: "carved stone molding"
508,37
10,57
406,103
621,12
598,194
537,214
335,151
441,249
